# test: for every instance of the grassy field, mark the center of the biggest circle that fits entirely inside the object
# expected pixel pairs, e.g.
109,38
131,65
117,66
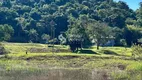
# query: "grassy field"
108,63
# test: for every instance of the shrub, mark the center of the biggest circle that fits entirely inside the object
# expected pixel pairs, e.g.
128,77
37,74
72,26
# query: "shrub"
120,76
2,49
137,51
123,42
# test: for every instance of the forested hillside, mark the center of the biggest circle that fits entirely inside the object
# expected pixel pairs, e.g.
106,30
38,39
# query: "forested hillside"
32,20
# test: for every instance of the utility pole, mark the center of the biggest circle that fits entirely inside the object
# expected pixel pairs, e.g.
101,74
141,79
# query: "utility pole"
52,24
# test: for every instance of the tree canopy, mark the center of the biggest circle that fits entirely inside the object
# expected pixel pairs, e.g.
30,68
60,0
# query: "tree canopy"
30,19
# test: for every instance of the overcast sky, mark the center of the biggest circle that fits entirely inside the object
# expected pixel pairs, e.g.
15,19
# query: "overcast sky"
134,4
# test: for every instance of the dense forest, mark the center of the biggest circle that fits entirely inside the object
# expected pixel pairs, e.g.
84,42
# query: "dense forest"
40,21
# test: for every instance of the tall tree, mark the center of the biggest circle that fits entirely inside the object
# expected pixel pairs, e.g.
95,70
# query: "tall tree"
139,16
100,32
132,34
76,34
6,3
33,35
6,32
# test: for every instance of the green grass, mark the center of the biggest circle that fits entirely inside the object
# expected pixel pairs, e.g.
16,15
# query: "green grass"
117,50
22,47
115,62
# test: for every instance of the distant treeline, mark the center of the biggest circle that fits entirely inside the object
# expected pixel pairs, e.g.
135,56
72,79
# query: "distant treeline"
32,21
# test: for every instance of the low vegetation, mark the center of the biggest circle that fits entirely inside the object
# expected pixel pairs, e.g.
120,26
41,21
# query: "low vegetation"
2,49
137,51
114,63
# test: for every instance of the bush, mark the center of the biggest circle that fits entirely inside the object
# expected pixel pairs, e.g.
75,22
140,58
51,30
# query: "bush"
137,51
123,42
2,49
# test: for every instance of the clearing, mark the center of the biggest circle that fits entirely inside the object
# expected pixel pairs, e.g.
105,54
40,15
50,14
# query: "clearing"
108,63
